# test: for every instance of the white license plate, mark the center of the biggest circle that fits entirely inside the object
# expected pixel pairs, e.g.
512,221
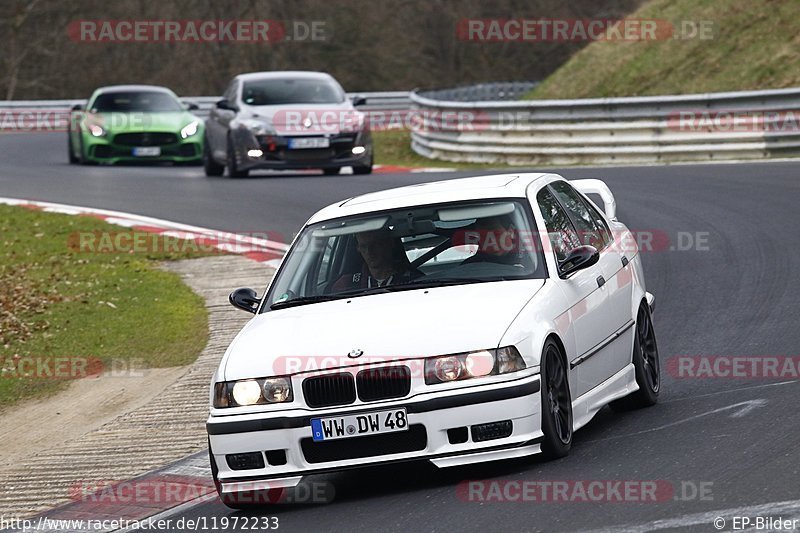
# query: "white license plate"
309,142
343,427
147,151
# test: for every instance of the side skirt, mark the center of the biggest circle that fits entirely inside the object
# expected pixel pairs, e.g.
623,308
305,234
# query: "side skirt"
617,386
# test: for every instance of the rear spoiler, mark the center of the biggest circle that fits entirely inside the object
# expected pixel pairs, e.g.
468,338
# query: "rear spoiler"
598,187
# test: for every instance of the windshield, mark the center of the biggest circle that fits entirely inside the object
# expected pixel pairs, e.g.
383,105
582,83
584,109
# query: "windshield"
450,244
292,91
144,101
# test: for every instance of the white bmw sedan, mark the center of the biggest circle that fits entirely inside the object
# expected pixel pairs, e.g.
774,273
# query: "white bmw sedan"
460,321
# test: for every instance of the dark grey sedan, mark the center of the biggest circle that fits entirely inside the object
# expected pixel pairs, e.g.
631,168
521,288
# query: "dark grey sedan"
284,121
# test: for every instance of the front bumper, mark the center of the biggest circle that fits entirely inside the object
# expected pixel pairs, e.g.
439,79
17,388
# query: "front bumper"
276,154
105,150
430,416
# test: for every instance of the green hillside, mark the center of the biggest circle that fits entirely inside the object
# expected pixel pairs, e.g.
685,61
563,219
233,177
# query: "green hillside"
753,45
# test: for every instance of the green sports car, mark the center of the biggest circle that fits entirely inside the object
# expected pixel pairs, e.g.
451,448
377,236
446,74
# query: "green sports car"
128,123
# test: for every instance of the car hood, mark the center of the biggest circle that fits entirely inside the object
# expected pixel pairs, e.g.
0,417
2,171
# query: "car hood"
390,326
142,122
290,119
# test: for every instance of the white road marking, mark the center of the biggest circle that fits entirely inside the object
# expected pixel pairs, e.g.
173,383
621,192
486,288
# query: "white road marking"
742,408
705,518
727,391
751,405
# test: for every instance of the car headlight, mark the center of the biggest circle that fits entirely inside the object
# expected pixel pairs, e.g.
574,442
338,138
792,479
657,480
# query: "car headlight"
190,129
95,130
253,392
277,390
256,126
444,369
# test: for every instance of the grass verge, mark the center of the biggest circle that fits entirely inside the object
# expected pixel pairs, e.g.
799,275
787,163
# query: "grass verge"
393,147
61,307
753,45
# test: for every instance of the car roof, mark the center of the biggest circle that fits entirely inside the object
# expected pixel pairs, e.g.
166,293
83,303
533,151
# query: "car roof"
121,88
281,74
513,185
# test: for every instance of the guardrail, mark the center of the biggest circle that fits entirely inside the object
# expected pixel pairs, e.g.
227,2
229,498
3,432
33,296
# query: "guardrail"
629,130
375,101
482,92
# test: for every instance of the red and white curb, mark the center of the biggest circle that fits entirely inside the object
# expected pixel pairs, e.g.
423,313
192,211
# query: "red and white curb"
139,503
258,249
182,484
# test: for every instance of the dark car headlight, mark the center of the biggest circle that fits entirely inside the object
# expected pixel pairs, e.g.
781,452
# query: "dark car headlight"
260,391
456,367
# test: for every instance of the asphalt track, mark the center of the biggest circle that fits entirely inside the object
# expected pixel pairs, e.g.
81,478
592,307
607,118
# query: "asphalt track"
736,294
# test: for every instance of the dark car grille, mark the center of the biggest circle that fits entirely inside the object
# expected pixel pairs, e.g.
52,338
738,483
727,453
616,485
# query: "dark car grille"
311,154
330,389
373,384
413,440
145,139
383,383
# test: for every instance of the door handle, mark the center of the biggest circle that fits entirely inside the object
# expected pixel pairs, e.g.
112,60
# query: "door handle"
601,281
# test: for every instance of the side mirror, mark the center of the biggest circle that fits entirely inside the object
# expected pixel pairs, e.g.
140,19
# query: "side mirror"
226,105
77,107
191,106
245,299
578,259
359,100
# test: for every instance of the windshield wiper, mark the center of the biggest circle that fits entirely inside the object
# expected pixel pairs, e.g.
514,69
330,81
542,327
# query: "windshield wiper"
302,300
441,282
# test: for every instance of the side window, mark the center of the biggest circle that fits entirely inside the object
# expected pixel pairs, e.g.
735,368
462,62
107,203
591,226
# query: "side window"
605,232
585,222
563,236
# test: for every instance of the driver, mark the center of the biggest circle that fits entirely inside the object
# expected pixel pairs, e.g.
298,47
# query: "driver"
497,243
385,263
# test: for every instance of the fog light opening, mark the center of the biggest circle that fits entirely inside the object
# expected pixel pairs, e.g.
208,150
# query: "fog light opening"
254,153
492,430
358,150
276,457
245,461
457,435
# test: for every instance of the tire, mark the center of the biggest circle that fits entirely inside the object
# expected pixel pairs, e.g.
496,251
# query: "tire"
73,160
247,500
331,171
233,170
646,364
82,159
556,403
365,169
211,167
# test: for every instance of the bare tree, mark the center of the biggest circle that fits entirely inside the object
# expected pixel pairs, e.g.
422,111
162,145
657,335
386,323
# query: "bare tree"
389,44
